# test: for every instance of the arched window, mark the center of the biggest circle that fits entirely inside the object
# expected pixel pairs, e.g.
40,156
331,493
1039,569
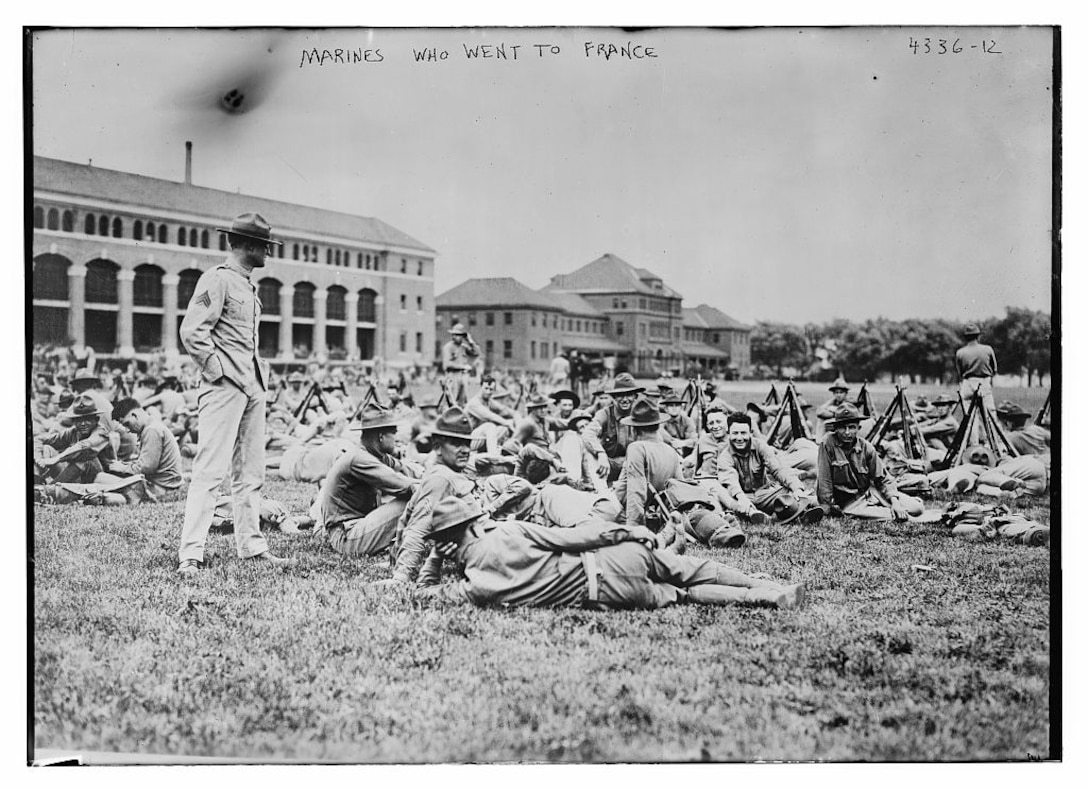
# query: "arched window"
50,277
138,230
335,309
204,239
118,227
150,231
67,221
294,252
368,262
147,286
192,237
187,280
328,257
39,216
162,234
279,250
89,224
103,225
338,257
304,300
181,236
419,270
268,290
53,219
366,312
305,253
101,287
222,242
359,260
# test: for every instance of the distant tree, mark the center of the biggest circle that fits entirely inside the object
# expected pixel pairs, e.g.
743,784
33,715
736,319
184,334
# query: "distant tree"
779,345
1021,342
922,349
863,349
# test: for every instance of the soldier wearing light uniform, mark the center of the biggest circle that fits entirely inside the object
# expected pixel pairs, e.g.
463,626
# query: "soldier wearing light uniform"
220,333
839,390
976,364
459,355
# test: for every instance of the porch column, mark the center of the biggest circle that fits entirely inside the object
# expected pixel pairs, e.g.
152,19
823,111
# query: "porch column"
77,281
287,319
351,306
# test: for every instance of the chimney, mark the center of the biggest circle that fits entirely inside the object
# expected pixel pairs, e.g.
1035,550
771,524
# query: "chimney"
188,163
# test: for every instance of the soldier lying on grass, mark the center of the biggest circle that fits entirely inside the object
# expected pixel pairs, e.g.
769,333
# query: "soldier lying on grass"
516,564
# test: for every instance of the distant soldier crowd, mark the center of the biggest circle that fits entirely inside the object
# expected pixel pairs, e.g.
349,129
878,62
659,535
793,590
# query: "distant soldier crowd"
555,492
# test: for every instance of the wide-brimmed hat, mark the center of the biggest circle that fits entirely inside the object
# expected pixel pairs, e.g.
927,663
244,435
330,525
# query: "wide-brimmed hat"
672,398
577,416
251,225
454,423
971,329
374,417
458,328
83,406
83,375
537,401
839,385
566,394
296,377
844,414
1010,410
979,455
625,384
943,400
644,414
427,404
763,413
451,513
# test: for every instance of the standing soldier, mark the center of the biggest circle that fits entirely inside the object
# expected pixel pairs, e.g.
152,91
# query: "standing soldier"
977,366
220,333
460,353
839,389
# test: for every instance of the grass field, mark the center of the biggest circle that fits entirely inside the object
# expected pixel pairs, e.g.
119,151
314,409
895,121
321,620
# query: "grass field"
887,661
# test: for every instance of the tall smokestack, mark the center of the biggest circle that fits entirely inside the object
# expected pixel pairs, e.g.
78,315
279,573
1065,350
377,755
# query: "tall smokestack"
188,163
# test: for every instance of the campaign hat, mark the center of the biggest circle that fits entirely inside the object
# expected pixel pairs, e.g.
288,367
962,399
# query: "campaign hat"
251,225
672,398
644,414
83,375
375,417
83,406
577,416
537,401
625,384
568,394
1010,410
979,455
454,423
839,385
296,377
971,329
458,328
844,414
763,413
943,400
449,514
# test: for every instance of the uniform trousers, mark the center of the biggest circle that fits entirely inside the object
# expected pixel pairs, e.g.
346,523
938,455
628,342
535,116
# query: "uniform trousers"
630,575
231,442
968,387
871,505
368,535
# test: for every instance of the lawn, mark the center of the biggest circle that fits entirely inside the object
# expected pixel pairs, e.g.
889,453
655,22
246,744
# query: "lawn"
914,646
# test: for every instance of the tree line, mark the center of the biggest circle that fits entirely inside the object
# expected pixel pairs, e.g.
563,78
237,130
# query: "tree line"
921,350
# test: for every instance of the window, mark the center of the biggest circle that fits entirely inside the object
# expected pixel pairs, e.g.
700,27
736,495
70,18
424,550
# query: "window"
328,261
472,319
555,321
508,319
532,318
181,236
508,349
222,242
403,302
192,237
204,241
67,221
294,251
419,342
489,348
359,260
619,329
268,291
279,248
623,304
717,338
532,349
88,224
642,330
138,230
642,304
39,216
419,304
103,225
151,232
335,307
615,303
578,326
303,301
367,262
367,310
403,341
147,286
419,269
403,266
489,318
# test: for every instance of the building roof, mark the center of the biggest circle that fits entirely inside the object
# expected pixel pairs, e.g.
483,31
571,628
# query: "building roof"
609,274
715,319
598,344
573,304
55,175
495,292
701,349
693,319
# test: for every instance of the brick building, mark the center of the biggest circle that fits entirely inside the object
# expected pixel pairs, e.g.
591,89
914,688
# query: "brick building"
716,341
116,256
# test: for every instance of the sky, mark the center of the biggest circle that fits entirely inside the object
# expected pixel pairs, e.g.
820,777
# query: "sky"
783,174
